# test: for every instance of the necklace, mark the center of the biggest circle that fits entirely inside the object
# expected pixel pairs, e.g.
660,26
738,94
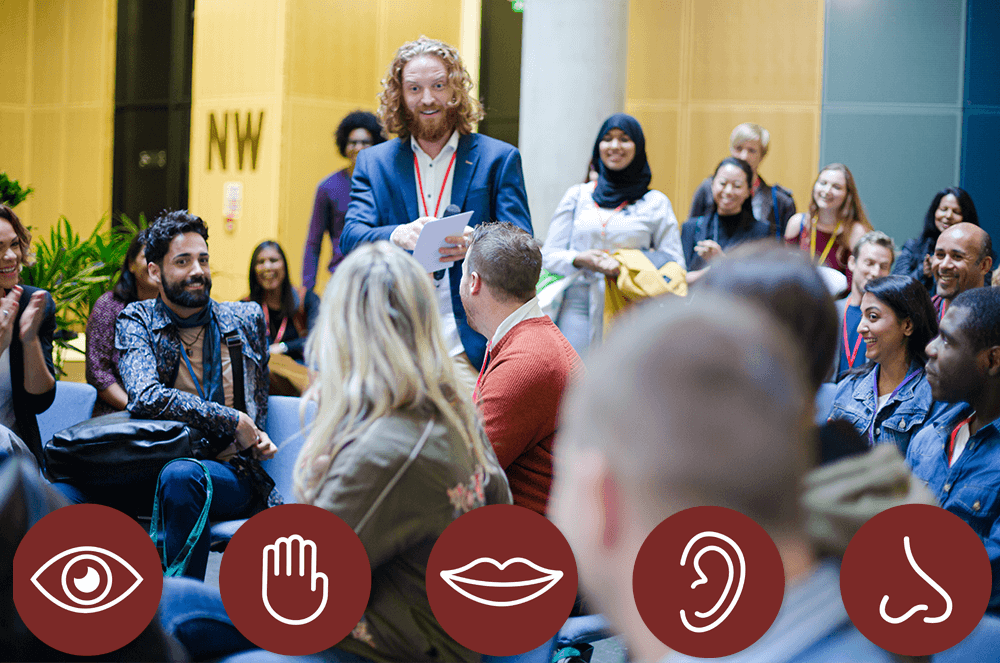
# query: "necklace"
191,344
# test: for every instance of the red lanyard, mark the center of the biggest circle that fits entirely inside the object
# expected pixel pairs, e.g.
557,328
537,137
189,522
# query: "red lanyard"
604,222
420,183
871,429
954,434
486,360
857,343
267,324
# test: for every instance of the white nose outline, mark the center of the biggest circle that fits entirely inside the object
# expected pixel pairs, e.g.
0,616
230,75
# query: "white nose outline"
702,579
917,608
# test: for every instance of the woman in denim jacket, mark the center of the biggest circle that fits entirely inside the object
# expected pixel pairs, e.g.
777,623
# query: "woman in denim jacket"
888,399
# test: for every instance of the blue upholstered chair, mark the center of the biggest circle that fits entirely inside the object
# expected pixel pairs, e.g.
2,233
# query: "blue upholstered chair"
74,403
285,430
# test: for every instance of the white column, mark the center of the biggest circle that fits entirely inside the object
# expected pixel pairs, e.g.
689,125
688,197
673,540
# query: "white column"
573,68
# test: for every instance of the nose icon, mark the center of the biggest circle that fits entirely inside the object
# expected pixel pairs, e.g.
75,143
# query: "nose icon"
921,607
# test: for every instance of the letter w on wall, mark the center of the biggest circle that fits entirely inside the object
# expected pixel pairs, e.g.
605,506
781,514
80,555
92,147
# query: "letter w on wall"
218,141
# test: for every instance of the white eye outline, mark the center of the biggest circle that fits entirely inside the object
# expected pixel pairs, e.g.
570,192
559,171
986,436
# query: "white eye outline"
65,586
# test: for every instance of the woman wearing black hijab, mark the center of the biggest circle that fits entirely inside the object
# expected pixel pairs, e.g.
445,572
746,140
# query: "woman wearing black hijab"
595,219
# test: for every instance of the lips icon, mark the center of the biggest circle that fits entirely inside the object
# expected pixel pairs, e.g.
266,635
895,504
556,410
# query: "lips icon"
548,578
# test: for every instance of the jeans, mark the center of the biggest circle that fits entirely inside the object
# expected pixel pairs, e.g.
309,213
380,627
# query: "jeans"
193,612
182,496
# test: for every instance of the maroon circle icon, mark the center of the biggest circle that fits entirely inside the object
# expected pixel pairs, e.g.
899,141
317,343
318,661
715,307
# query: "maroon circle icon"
501,580
295,579
708,582
915,580
87,579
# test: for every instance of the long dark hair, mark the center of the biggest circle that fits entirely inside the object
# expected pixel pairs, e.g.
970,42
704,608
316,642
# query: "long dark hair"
908,298
126,290
968,207
257,291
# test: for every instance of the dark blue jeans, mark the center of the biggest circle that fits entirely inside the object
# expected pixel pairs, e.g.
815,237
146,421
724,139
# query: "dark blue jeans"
182,496
193,612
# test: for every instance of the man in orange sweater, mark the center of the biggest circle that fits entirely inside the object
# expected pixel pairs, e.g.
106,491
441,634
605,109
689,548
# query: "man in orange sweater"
529,363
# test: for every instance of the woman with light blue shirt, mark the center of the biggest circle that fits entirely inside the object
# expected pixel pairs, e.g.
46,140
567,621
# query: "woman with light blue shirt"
888,399
595,219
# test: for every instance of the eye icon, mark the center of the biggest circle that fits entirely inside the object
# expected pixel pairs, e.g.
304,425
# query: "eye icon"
86,579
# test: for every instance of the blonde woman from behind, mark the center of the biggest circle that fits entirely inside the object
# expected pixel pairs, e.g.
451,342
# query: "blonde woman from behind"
387,392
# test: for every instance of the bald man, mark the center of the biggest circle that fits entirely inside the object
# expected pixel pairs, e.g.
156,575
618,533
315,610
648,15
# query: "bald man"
962,259
679,410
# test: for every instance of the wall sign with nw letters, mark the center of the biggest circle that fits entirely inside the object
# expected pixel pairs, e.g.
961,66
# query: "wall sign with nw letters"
246,136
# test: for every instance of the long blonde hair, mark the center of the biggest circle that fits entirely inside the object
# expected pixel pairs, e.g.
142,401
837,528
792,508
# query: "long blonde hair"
377,348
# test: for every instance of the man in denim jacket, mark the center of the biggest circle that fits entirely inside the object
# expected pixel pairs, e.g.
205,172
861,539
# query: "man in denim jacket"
958,451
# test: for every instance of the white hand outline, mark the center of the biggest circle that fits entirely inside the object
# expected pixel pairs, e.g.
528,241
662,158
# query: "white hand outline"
917,608
315,575
702,579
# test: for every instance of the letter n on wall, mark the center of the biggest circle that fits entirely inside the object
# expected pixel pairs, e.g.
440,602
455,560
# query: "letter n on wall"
220,142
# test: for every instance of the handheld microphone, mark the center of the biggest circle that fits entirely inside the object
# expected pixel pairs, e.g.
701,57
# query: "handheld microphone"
450,210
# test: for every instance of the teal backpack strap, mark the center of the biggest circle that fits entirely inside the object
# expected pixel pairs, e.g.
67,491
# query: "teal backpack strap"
179,565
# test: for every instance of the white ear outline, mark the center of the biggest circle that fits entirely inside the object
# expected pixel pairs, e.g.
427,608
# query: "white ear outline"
702,579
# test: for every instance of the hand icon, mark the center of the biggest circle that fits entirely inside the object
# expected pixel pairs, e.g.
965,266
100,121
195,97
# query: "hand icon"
281,550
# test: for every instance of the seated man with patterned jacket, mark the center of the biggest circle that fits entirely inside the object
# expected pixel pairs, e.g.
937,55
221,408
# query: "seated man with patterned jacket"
176,364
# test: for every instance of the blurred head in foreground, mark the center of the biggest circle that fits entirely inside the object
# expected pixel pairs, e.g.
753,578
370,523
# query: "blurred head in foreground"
688,404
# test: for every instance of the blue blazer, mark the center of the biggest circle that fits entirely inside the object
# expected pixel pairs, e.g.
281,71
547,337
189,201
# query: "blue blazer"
488,182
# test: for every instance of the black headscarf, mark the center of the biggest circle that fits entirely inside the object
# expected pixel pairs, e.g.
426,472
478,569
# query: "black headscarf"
630,183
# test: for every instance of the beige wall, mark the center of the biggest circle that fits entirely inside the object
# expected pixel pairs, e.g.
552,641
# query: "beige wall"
697,68
57,107
306,64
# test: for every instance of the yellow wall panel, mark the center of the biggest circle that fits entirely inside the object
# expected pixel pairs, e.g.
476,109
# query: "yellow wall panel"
692,79
14,51
331,49
49,52
258,218
310,156
88,134
12,144
656,32
47,173
738,53
87,37
405,21
238,48
661,130
59,139
791,158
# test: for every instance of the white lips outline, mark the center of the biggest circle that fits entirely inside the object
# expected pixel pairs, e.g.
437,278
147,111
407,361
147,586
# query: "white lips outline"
78,549
550,576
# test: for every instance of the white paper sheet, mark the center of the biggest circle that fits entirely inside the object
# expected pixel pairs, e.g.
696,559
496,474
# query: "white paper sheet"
432,238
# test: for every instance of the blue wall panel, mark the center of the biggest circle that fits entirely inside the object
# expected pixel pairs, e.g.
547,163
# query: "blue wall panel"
892,103
898,162
893,51
981,131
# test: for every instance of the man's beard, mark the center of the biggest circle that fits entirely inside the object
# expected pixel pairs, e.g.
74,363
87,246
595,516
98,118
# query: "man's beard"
432,129
176,293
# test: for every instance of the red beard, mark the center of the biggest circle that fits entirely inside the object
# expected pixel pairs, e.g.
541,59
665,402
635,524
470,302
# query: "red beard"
433,128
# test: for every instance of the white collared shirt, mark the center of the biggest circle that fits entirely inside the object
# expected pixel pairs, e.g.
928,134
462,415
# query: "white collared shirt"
530,309
431,177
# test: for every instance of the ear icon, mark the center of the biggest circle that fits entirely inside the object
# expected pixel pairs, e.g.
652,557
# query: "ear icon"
702,579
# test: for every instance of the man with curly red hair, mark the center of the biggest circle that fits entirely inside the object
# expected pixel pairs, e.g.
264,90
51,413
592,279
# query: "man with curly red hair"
435,161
